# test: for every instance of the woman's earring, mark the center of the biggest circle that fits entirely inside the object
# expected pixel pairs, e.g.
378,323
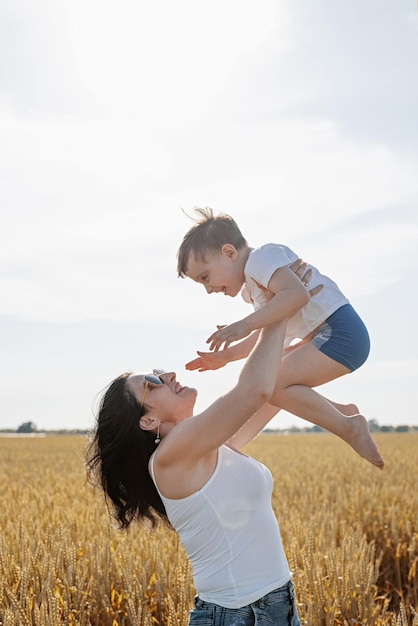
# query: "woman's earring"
157,439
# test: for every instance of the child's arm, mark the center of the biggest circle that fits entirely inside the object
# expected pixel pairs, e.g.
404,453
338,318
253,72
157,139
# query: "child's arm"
215,360
288,295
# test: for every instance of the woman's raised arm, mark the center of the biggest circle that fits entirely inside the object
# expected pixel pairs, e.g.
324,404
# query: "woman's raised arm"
197,436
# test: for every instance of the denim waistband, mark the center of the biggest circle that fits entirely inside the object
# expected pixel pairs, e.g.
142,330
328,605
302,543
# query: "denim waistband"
269,597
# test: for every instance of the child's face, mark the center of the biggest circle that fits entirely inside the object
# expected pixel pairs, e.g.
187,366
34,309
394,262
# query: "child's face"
220,271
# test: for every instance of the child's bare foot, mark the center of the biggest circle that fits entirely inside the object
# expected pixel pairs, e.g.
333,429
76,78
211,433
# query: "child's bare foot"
360,439
349,409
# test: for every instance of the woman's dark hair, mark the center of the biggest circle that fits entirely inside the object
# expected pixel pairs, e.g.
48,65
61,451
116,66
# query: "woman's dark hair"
118,455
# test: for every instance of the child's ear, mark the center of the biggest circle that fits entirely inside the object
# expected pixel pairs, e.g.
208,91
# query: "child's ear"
230,251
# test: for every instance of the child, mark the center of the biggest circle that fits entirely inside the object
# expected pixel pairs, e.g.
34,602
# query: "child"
325,337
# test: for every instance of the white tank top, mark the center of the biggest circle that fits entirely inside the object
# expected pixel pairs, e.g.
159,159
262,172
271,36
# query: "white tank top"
230,533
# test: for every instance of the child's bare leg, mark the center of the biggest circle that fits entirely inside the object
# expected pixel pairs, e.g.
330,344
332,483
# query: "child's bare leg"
311,406
346,409
307,367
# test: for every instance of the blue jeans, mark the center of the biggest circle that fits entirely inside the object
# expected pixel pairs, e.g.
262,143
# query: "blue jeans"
277,607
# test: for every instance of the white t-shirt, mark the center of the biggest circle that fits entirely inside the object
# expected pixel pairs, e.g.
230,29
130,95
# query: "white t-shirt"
230,533
263,262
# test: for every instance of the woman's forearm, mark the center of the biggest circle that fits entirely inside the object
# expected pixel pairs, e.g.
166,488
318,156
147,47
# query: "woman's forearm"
259,373
242,349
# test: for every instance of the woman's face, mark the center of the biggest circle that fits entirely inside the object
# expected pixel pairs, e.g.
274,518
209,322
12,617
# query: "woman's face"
169,400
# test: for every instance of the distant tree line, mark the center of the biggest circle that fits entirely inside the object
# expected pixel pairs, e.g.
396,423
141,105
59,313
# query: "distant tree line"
31,428
26,427
402,428
374,427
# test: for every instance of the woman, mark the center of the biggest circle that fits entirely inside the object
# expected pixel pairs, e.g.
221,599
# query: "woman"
155,460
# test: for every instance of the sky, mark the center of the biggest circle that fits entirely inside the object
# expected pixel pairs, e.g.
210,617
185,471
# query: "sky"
299,119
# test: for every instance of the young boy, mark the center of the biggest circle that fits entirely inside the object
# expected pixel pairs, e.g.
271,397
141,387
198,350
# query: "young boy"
325,337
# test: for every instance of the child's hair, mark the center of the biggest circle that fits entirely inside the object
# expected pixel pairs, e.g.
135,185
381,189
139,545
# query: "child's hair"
210,232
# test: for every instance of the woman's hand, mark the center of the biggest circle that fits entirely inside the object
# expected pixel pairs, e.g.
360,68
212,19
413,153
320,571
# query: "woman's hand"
299,268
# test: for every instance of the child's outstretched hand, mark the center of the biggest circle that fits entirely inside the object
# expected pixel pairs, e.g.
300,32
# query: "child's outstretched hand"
228,334
207,361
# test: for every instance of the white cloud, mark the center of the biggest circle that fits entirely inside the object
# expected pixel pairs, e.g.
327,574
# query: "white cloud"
113,118
145,55
84,206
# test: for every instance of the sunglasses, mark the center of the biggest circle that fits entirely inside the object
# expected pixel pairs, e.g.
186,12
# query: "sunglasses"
152,380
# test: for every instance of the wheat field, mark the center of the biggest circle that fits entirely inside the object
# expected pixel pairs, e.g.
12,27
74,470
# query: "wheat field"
349,530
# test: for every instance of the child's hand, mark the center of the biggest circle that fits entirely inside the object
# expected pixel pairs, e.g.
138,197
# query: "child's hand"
228,334
207,361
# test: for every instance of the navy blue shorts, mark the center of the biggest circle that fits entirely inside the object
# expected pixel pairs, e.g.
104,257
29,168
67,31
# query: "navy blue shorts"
344,338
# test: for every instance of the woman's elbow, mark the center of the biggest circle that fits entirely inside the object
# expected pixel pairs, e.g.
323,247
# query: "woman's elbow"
262,394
